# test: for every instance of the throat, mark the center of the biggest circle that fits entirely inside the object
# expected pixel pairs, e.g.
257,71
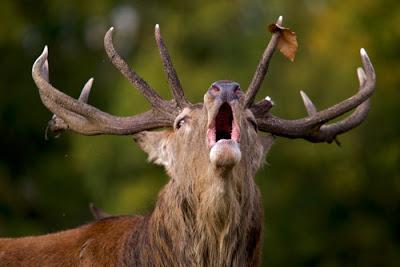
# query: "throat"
209,218
218,204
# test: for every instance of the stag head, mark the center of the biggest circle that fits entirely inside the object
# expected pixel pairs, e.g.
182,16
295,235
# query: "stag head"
220,134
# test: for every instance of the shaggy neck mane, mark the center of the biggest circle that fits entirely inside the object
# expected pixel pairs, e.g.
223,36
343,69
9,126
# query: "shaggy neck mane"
209,223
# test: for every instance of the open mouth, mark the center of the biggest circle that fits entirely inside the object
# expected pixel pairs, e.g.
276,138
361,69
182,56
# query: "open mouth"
224,126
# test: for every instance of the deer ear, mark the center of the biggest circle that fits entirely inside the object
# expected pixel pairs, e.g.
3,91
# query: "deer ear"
267,142
155,144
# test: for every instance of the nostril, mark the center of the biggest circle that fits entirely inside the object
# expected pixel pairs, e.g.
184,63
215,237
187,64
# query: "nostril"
216,89
225,90
237,90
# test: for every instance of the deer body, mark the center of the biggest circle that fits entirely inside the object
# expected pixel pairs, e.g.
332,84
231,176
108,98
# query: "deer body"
209,213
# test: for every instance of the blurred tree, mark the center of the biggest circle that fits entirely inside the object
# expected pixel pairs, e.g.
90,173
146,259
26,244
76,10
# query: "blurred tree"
324,205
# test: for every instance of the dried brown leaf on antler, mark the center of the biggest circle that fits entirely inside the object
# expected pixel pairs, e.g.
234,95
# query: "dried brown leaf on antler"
287,43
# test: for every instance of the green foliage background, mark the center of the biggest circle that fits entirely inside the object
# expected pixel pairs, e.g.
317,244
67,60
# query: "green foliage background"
324,205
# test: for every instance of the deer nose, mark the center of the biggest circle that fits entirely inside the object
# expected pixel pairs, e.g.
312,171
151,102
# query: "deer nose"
225,90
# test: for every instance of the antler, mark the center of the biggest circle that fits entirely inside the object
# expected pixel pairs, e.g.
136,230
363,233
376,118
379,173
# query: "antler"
172,77
313,127
80,117
262,67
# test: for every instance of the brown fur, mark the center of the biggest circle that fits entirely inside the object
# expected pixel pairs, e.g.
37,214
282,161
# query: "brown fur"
206,215
96,244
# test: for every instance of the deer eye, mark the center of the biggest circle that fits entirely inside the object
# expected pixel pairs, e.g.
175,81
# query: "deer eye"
254,124
180,123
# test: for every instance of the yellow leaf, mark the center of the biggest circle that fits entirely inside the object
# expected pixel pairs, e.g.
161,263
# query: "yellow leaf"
287,42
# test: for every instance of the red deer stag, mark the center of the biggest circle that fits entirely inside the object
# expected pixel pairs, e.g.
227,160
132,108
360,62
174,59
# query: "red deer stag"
209,213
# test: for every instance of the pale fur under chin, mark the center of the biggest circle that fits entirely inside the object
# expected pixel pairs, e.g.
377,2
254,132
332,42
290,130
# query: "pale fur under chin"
218,216
225,153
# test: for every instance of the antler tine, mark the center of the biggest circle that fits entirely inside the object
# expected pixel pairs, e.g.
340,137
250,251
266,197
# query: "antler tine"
45,69
82,118
261,108
58,125
84,96
262,67
169,69
151,95
310,107
312,128
55,124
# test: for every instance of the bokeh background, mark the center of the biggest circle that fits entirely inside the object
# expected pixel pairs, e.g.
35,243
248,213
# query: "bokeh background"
324,205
